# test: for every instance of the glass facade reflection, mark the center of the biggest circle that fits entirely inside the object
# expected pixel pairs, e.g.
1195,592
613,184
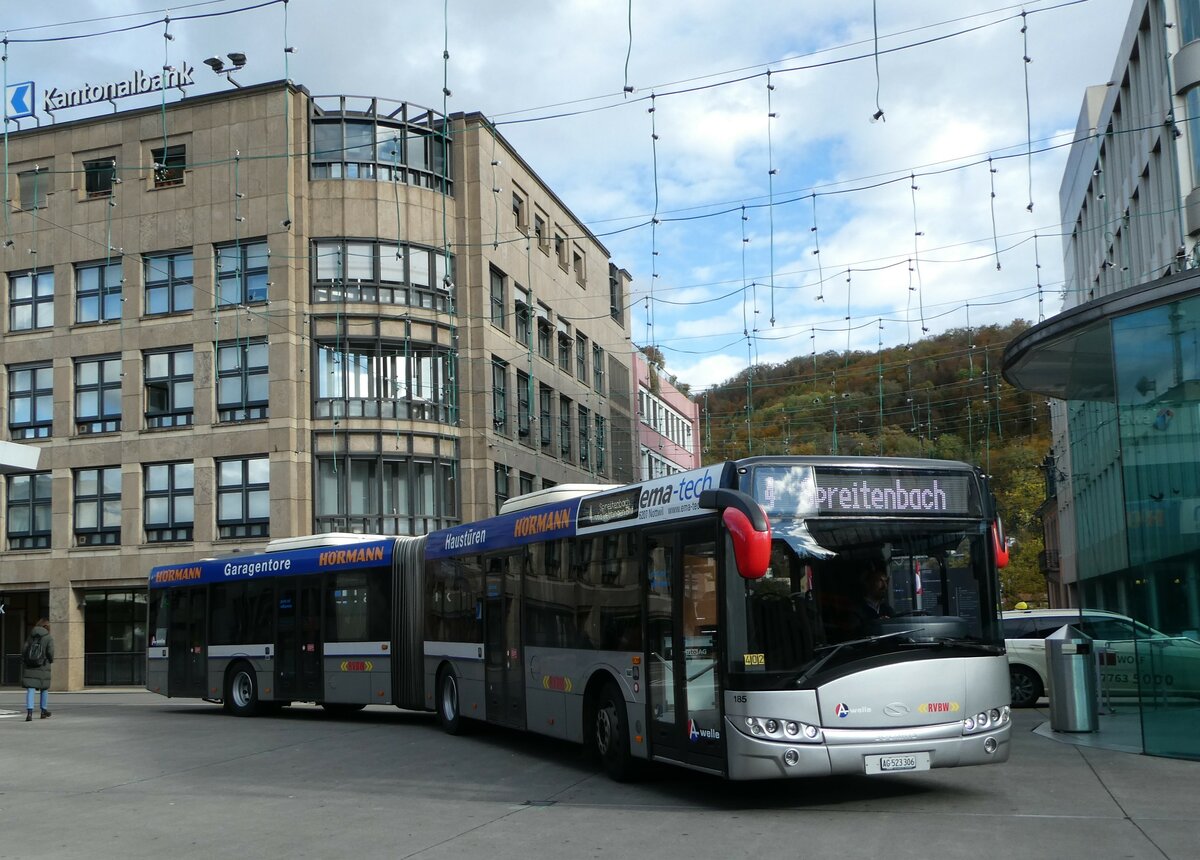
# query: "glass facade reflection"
1135,488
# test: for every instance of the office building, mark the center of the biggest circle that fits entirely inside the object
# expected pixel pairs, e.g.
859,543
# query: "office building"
262,313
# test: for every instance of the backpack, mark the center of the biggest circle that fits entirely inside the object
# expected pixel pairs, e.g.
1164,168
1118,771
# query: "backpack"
34,653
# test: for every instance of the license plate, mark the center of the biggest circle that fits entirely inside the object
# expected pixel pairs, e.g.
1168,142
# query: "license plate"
897,762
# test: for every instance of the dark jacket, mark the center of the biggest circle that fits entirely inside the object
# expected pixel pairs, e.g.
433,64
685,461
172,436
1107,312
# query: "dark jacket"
38,677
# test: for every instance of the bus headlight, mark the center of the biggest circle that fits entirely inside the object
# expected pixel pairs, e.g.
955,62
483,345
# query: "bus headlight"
993,718
778,730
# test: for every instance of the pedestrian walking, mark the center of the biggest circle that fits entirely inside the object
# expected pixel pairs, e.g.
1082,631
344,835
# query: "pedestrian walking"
36,657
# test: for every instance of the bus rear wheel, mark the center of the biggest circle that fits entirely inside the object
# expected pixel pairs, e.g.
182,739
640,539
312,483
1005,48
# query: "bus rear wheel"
448,706
610,733
241,691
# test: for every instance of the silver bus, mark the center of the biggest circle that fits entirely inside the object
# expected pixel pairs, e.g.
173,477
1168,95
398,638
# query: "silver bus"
771,617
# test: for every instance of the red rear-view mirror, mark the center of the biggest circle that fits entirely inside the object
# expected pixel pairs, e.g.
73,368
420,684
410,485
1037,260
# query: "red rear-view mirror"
749,529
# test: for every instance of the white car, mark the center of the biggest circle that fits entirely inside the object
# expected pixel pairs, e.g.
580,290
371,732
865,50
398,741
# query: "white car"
1134,659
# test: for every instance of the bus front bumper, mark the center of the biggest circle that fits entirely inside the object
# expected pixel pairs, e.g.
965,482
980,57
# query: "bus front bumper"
851,751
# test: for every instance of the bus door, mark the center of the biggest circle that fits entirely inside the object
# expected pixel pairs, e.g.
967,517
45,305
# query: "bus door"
504,675
298,641
682,661
187,652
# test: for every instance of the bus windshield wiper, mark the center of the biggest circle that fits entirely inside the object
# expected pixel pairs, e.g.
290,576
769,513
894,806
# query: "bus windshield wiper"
955,642
833,649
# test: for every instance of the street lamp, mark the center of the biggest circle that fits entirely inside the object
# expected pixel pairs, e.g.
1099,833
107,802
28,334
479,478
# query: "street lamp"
237,60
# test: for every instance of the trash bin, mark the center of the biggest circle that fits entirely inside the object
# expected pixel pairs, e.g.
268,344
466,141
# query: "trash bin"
1071,674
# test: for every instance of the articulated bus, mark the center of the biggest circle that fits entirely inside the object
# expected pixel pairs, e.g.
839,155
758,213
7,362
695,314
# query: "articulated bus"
721,619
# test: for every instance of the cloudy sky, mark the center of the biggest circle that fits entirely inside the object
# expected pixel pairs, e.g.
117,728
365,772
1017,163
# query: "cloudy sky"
761,131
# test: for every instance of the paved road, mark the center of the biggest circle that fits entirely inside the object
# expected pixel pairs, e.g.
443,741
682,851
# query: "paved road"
132,775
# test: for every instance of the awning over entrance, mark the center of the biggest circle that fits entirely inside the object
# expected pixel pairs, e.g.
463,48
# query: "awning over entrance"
18,458
1070,356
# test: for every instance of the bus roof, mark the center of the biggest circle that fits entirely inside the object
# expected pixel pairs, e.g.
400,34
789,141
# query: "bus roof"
327,539
550,495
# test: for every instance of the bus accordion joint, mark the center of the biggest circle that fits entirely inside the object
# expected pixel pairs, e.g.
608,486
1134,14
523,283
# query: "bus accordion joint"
748,527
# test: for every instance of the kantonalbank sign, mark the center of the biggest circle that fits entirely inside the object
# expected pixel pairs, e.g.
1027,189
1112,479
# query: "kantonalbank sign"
138,83
370,555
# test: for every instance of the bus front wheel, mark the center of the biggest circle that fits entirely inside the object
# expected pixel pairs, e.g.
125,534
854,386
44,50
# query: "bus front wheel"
448,706
610,733
241,691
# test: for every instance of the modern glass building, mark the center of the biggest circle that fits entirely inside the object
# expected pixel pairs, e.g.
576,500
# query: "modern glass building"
1122,366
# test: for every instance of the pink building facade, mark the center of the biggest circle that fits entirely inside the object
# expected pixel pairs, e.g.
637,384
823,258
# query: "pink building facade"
668,424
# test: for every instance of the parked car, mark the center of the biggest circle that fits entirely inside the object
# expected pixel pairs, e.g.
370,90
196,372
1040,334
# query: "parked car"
1134,658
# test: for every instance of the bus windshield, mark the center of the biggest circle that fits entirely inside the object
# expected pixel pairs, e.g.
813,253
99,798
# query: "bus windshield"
855,590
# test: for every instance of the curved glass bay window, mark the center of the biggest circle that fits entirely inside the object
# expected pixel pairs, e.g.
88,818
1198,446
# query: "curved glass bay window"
385,379
386,273
366,138
385,494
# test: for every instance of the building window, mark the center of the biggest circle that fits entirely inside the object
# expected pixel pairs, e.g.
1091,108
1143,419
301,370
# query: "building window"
99,176
31,402
382,148
577,266
98,292
31,300
585,428
560,250
114,638
242,381
520,221
169,283
564,427
243,497
383,273
581,356
539,231
384,495
169,388
169,163
543,331
376,379
615,305
598,368
170,502
524,393
497,298
521,316
501,473
564,345
33,186
98,506
600,443
29,511
242,273
526,483
545,420
98,395
499,396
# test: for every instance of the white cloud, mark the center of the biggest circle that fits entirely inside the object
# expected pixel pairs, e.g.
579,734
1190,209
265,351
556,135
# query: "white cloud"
947,103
